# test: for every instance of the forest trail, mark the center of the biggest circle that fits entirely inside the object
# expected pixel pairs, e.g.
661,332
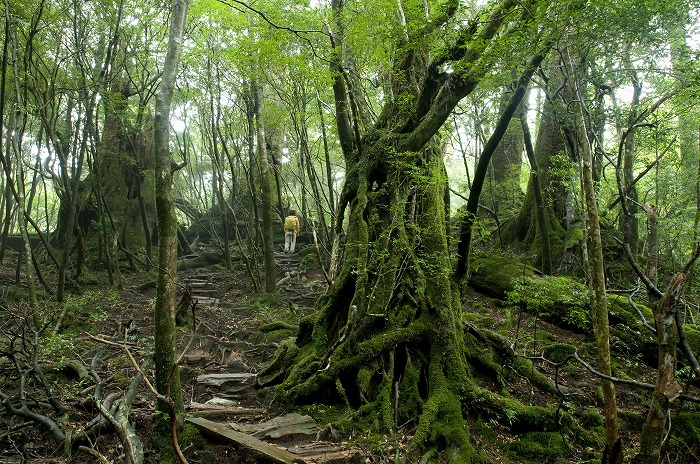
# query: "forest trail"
225,353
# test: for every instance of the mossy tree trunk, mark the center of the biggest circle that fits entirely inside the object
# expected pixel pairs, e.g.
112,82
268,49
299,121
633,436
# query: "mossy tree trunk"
552,168
503,193
543,229
265,193
167,373
667,387
595,269
387,338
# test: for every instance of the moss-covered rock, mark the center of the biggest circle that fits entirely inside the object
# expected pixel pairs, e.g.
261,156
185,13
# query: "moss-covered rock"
558,352
627,332
538,446
559,300
493,274
307,251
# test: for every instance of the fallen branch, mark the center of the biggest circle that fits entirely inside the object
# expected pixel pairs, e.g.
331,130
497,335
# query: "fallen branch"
165,399
633,383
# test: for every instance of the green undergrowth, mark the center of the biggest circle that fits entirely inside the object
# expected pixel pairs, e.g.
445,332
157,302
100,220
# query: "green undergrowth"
556,299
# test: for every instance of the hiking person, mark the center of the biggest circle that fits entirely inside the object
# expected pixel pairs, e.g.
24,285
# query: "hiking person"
291,229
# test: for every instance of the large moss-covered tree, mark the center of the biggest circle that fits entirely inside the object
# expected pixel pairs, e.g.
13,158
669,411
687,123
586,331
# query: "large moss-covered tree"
389,325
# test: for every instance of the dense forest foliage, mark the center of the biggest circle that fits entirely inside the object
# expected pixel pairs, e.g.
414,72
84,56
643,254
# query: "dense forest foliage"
495,197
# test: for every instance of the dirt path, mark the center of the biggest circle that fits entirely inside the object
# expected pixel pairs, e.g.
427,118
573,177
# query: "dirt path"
228,349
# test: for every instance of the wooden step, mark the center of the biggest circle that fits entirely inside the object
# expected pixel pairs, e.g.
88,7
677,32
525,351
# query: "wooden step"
287,426
266,450
310,453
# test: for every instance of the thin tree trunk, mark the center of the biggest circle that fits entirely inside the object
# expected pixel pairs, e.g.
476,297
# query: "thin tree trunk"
482,167
542,225
266,195
613,453
167,373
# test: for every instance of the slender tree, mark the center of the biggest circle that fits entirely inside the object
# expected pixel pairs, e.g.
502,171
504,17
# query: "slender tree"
266,193
167,373
613,453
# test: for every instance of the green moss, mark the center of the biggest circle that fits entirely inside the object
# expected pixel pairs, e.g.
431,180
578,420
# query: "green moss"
441,423
526,368
268,301
574,237
484,431
281,361
494,274
544,336
558,352
538,446
479,320
309,260
306,328
190,439
326,414
692,335
591,418
307,251
471,306
411,404
512,413
557,299
622,312
591,437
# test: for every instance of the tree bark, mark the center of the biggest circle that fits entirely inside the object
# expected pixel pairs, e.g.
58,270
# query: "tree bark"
550,148
613,453
265,194
667,388
167,373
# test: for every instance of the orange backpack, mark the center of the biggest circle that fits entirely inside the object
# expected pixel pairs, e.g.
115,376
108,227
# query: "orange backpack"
290,223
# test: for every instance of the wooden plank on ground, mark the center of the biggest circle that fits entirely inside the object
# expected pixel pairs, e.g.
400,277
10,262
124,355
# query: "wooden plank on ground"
272,452
289,425
217,380
215,411
327,453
